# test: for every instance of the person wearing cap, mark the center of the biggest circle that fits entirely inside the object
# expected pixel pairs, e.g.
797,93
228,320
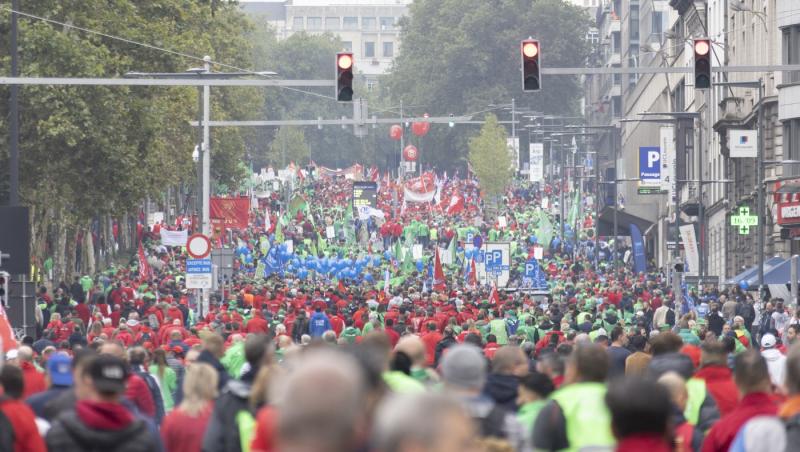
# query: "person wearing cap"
464,374
100,421
776,362
59,374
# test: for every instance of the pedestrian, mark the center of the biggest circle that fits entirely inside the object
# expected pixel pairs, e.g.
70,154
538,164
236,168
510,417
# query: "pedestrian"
776,362
59,374
755,387
640,415
99,421
508,365
184,427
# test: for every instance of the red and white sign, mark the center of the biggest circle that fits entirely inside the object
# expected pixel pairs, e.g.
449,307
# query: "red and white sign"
410,153
789,213
198,246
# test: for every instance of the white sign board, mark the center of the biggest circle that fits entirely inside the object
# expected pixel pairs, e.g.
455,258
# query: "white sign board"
330,232
174,238
495,250
501,221
537,162
690,246
198,281
416,252
668,160
743,143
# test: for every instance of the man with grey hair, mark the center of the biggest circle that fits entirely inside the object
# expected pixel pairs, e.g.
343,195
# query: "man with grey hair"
322,404
422,423
464,373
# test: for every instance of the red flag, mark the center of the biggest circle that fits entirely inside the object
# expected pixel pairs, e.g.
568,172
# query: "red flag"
145,272
373,174
456,204
438,273
340,287
494,297
7,338
473,275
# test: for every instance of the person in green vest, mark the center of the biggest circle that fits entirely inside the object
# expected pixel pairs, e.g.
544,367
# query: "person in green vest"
577,417
534,389
167,379
498,327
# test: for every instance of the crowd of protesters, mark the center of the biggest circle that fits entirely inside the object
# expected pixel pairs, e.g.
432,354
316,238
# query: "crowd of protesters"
605,359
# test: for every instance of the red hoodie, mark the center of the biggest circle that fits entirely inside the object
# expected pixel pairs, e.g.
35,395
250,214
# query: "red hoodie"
23,422
643,442
721,435
719,381
34,380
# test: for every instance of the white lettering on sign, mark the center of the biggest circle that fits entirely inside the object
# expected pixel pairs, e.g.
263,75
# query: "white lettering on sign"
790,212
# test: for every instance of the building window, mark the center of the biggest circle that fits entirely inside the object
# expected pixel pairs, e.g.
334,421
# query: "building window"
350,23
593,36
387,23
388,49
617,78
791,145
331,23
791,52
315,23
633,22
615,41
616,103
369,49
347,45
369,23
297,23
657,25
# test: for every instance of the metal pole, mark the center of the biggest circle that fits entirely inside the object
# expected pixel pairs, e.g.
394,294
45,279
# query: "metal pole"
617,143
562,184
198,192
793,273
206,153
514,130
597,210
701,209
402,141
761,188
13,135
680,150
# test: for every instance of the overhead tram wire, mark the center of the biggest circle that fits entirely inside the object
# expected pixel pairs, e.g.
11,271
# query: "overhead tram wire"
153,47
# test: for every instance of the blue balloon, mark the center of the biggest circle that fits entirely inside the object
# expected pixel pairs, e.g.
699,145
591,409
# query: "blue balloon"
420,265
387,255
376,261
533,239
302,274
744,285
369,278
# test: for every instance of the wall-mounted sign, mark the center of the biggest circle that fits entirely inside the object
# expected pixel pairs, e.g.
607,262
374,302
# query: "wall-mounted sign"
743,143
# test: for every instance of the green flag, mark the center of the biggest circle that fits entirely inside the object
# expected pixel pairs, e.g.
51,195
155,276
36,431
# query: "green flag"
408,262
279,231
398,251
297,204
451,250
573,212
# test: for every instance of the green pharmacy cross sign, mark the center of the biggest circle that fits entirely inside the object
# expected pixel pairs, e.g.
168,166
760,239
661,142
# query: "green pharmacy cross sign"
744,220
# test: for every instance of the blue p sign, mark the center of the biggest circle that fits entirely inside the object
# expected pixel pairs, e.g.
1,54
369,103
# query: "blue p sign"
529,269
494,259
650,165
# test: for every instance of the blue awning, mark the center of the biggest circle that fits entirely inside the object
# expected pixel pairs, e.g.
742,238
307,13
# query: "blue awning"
781,274
751,274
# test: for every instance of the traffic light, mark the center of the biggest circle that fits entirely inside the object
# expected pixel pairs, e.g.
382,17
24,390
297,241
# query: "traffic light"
531,77
344,76
4,280
702,63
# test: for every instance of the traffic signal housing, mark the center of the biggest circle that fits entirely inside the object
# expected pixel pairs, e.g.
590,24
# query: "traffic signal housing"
530,53
702,63
344,76
5,278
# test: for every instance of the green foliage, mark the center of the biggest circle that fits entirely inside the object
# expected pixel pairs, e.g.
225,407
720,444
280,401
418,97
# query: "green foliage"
460,56
289,145
490,158
102,149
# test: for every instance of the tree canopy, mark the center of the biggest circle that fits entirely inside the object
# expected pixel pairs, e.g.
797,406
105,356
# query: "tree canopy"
490,158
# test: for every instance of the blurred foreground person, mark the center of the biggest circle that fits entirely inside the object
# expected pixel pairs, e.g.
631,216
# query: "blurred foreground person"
183,428
322,404
422,423
577,416
18,430
790,411
100,421
753,380
640,415
688,438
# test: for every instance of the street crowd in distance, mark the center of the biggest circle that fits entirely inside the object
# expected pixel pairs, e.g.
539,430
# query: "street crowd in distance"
335,334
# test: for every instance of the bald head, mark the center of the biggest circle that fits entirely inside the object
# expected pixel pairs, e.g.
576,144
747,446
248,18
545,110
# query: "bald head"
112,348
676,386
324,390
509,360
25,353
414,348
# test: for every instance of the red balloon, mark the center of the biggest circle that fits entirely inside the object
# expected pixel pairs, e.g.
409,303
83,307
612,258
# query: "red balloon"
410,153
395,132
420,129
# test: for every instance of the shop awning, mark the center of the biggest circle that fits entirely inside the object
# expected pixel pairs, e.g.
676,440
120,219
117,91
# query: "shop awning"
751,274
780,274
624,220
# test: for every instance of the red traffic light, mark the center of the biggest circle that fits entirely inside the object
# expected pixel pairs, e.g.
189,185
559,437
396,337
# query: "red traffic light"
345,61
701,46
530,49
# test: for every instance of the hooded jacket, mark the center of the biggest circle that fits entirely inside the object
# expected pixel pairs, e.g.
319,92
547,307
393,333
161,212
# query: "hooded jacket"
776,363
69,433
503,390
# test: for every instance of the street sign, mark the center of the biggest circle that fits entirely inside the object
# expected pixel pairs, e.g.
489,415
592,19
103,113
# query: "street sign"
494,262
696,279
198,265
199,281
198,246
650,191
650,166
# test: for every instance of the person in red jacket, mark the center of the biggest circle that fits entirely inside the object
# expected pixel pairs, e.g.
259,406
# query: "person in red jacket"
257,324
431,338
34,380
26,437
718,377
752,379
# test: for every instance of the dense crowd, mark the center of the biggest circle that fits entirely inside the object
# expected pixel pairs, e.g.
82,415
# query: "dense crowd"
343,342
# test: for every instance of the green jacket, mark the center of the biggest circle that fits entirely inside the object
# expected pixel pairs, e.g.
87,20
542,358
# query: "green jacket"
168,384
587,416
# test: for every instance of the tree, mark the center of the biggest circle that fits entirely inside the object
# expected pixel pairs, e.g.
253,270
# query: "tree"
490,158
460,56
289,145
